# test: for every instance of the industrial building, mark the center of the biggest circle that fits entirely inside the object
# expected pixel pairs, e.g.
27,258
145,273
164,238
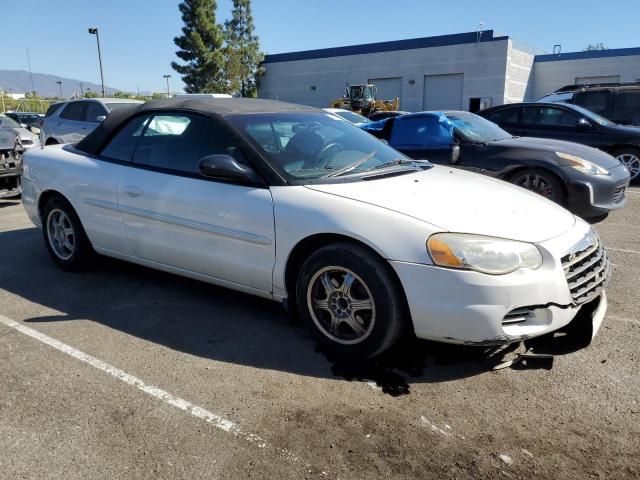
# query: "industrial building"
461,71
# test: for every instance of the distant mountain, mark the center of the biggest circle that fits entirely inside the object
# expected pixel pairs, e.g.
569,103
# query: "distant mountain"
19,81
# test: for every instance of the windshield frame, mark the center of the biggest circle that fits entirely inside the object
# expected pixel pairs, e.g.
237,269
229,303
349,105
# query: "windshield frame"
236,122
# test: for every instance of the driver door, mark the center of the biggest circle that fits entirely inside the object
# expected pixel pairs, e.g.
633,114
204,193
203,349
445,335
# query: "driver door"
174,216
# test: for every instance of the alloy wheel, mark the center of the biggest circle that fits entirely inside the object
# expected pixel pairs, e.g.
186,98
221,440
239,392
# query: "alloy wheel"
341,305
632,162
61,234
536,183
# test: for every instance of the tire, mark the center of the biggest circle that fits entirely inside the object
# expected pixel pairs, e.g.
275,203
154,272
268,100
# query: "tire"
540,181
330,282
630,156
65,237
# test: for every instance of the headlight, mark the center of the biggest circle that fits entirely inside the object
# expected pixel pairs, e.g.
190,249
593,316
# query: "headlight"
484,254
583,165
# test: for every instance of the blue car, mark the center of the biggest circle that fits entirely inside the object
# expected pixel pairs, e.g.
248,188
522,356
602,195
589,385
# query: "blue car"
589,182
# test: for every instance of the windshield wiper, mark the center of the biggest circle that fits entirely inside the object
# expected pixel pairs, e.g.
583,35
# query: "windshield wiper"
351,166
402,161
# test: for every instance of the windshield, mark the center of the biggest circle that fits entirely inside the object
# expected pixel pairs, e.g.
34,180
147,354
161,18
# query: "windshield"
477,129
118,106
352,117
6,122
304,147
592,116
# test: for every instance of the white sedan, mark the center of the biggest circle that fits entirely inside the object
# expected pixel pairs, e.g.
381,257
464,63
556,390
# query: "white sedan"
297,205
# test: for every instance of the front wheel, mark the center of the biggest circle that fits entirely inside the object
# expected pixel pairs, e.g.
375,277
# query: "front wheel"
351,301
540,182
630,157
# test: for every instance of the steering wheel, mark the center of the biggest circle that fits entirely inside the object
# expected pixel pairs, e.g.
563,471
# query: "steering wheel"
328,151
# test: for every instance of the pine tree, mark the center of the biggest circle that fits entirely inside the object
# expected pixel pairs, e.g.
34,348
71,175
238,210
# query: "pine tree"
242,50
201,48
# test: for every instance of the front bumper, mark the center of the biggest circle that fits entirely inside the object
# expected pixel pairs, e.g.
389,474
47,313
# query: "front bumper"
461,306
594,195
9,176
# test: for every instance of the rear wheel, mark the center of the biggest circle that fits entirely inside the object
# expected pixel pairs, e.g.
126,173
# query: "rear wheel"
631,159
541,182
350,300
64,235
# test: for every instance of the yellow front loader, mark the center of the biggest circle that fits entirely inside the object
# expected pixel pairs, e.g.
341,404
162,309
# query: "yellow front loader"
362,99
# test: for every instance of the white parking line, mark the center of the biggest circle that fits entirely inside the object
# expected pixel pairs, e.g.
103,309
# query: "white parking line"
184,405
623,250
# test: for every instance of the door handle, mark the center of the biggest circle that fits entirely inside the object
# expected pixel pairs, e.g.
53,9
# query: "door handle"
132,191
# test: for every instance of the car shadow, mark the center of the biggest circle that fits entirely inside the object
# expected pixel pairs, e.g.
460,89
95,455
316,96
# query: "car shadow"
215,323
8,203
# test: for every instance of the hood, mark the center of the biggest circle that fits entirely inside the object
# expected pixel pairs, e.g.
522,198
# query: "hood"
459,201
550,146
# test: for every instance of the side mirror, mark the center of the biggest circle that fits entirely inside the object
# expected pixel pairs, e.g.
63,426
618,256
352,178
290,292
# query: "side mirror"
34,130
583,125
455,154
100,118
24,125
225,167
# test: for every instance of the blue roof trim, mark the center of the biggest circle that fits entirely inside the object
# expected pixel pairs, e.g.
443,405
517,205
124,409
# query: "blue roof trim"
413,43
616,52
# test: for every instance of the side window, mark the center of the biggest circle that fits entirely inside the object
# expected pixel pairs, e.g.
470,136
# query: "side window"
179,141
558,117
598,101
123,144
549,116
94,110
74,111
504,116
628,107
420,132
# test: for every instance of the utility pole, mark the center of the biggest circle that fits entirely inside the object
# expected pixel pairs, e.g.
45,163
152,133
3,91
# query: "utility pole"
33,89
94,31
82,89
167,77
60,87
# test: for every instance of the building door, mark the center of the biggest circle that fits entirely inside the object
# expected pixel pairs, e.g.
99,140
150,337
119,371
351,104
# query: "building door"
388,88
443,92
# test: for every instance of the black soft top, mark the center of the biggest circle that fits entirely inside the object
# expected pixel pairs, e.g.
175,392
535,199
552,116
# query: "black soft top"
93,143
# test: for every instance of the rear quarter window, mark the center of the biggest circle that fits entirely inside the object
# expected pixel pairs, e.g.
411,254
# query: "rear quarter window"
52,109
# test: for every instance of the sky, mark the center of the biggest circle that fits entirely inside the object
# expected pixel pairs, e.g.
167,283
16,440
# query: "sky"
137,35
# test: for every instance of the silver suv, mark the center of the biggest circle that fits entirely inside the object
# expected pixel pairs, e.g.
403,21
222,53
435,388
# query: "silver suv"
70,122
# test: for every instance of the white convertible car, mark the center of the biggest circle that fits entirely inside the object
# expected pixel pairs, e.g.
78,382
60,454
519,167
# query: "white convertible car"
297,205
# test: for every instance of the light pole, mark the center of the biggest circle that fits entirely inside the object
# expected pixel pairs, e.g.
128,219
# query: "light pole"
60,88
94,31
167,77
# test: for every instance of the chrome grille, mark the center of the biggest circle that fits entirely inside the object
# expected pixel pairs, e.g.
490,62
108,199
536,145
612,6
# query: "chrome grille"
618,193
587,269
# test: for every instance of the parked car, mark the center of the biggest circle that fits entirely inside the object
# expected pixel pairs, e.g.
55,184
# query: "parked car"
349,116
26,138
571,123
29,120
286,202
381,115
69,122
618,102
588,182
10,167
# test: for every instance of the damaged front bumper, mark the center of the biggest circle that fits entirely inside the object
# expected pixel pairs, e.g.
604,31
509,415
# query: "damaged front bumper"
468,307
10,172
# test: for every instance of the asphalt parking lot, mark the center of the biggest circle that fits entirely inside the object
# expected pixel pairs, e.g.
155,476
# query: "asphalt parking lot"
124,372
